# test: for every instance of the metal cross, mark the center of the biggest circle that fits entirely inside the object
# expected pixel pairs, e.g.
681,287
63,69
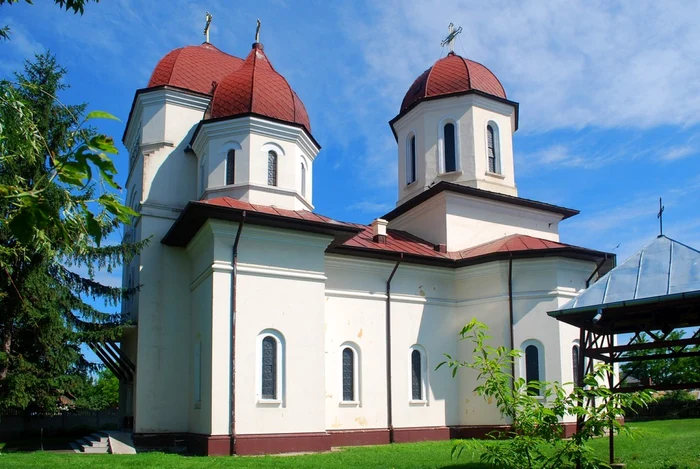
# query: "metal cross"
206,27
660,216
450,39
257,32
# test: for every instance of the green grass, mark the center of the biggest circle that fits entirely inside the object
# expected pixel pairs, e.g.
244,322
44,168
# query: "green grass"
669,444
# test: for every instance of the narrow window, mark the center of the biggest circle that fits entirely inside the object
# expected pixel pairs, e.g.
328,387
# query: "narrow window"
348,374
411,160
269,368
491,145
203,177
450,148
575,366
271,168
303,180
230,167
198,372
532,366
416,378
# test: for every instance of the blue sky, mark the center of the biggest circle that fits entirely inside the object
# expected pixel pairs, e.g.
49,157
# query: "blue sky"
609,91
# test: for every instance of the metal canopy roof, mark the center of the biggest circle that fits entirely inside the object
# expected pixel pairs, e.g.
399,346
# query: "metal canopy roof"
658,287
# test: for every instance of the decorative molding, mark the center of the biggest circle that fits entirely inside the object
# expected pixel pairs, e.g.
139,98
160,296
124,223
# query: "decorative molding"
216,267
259,126
267,271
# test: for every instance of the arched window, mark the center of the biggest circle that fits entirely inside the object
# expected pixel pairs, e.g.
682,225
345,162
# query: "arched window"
575,350
303,180
533,367
203,176
271,168
416,379
492,149
270,367
350,375
419,374
230,167
411,159
450,147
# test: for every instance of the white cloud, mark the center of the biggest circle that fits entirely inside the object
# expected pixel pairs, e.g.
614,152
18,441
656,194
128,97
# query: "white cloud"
678,153
570,65
370,206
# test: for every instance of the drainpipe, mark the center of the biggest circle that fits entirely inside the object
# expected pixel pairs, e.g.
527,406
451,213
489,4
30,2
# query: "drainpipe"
511,320
588,280
234,276
389,414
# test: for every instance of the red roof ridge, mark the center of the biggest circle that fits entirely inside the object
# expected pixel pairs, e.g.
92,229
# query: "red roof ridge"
466,67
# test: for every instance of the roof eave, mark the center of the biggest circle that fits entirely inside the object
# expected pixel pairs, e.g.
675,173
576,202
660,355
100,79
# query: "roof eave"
472,191
515,105
196,213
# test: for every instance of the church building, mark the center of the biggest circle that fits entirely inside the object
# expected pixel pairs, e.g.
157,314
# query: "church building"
264,327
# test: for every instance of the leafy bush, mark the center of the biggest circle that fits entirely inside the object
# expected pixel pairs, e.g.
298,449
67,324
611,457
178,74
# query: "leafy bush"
534,437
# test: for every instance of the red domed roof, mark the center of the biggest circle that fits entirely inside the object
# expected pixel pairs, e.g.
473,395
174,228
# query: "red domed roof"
257,88
452,74
194,68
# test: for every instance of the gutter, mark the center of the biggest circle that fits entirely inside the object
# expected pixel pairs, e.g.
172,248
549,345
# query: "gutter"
511,320
389,413
234,277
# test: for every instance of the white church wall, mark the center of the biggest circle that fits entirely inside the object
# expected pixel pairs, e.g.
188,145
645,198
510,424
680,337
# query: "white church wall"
200,412
291,265
472,221
162,383
427,221
482,293
356,310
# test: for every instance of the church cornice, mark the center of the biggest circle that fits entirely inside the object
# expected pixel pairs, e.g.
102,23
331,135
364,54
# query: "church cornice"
480,193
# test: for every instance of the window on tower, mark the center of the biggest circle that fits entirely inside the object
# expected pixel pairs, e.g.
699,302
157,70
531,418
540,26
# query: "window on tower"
303,180
450,147
411,160
492,149
230,167
271,168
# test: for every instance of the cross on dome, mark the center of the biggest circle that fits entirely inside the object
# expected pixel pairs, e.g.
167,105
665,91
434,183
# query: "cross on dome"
208,17
257,32
450,39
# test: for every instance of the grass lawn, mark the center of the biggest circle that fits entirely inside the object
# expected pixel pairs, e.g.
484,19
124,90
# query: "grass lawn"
670,444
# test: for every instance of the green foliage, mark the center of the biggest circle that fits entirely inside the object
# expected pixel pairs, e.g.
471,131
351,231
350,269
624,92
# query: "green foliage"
534,439
100,393
53,217
665,370
77,6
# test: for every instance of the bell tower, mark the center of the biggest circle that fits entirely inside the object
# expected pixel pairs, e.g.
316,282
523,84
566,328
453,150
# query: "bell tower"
456,125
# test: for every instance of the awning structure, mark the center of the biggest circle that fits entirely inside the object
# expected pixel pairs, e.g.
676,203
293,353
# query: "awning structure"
655,292
114,359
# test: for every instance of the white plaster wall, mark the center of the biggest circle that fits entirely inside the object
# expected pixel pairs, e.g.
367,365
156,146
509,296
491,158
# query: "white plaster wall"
472,221
471,113
462,221
201,329
162,384
281,285
256,137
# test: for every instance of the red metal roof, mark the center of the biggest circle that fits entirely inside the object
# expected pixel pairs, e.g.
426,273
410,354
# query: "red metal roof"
299,214
512,243
453,74
397,241
195,68
257,88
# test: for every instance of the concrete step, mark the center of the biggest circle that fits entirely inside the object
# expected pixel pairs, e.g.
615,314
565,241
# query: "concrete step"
86,446
97,442
76,447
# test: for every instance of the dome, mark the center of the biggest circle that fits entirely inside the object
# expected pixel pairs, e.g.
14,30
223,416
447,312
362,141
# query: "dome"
194,68
450,75
257,88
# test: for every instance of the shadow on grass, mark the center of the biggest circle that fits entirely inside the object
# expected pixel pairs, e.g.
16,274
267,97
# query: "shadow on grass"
30,445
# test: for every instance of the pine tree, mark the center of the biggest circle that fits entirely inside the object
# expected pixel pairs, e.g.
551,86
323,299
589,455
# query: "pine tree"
44,315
